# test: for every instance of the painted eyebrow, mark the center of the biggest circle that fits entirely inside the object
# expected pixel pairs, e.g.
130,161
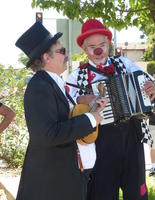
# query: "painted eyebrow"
92,45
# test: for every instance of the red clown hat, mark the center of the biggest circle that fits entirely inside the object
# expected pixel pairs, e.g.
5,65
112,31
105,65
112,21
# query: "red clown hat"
91,27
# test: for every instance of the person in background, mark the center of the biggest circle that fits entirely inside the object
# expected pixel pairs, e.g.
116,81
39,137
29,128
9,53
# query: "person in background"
8,115
52,165
120,159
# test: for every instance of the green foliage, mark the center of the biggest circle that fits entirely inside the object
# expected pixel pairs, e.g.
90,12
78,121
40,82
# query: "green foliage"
82,58
151,193
121,15
149,54
23,58
13,140
151,67
150,181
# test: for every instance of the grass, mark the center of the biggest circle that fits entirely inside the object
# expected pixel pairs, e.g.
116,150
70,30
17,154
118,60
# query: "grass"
150,186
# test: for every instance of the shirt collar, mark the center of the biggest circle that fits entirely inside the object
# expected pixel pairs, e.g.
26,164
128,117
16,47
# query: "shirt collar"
60,82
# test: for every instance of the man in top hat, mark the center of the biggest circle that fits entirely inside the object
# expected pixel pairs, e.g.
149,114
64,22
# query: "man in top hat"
119,148
51,168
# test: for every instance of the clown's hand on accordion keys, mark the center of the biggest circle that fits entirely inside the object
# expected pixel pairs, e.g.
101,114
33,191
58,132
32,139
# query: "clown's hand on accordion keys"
126,97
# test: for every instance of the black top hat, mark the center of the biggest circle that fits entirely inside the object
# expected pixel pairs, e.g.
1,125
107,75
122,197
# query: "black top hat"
35,41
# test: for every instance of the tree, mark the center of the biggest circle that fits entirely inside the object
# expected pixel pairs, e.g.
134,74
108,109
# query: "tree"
149,54
124,13
23,58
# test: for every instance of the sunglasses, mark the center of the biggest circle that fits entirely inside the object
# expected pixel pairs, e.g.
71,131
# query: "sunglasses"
61,51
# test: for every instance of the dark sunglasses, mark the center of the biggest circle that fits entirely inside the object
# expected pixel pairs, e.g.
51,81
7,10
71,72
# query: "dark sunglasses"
61,51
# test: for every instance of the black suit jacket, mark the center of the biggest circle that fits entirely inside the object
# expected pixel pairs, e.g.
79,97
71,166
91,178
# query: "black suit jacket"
50,170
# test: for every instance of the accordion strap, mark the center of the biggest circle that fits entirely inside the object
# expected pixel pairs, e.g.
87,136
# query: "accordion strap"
94,69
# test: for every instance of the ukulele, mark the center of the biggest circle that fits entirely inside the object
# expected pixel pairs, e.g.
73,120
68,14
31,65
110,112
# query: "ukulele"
83,108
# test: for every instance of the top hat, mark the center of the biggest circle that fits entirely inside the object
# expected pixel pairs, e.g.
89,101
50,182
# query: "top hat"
91,27
35,41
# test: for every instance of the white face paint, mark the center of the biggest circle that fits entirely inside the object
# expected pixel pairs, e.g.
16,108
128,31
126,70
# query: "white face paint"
91,49
95,43
100,61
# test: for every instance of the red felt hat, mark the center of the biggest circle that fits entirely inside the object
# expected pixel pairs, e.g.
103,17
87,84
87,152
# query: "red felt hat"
91,27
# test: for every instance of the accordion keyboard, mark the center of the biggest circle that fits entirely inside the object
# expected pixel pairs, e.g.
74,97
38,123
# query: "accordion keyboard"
146,99
107,113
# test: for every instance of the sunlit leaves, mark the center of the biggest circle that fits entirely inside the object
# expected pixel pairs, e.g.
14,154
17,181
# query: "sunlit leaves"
119,14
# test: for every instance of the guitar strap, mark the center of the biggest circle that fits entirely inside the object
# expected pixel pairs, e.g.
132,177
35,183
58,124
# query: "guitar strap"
70,98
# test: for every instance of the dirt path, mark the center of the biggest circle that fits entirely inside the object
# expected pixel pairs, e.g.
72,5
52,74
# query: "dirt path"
9,180
10,172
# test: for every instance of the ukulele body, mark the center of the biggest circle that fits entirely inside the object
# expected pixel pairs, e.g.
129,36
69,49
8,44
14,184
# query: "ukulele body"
81,109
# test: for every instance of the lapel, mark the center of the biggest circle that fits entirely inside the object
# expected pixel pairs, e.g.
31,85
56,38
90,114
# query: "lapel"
45,76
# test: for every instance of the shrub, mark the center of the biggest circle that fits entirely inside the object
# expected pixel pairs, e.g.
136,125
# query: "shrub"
13,140
82,58
151,67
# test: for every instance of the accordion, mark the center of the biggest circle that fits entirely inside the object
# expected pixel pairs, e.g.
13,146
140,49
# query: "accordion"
125,97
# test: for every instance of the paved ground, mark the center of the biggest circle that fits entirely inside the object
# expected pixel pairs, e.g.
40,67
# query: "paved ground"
9,178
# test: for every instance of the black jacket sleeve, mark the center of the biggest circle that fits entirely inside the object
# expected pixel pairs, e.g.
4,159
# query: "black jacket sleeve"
47,116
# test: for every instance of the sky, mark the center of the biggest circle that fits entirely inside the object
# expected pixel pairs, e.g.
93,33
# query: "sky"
16,16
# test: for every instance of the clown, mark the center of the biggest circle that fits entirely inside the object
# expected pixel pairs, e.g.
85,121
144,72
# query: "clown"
120,159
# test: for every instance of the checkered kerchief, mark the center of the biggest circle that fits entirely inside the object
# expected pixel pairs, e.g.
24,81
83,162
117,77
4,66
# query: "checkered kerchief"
147,138
82,80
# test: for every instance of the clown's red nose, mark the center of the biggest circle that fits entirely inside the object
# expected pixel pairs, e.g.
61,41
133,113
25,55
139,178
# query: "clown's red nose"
98,51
